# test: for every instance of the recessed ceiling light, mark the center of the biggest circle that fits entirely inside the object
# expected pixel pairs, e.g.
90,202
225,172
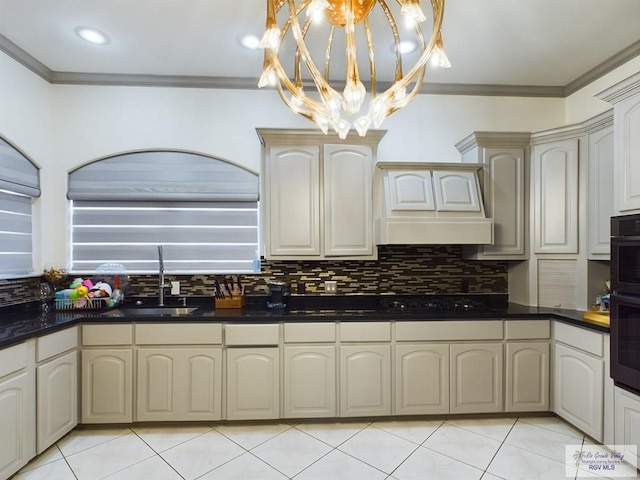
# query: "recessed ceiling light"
92,35
406,46
250,41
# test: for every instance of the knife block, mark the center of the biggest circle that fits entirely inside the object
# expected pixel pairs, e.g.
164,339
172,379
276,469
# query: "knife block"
233,302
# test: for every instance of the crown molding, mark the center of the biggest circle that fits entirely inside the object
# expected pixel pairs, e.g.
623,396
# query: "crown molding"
242,83
605,67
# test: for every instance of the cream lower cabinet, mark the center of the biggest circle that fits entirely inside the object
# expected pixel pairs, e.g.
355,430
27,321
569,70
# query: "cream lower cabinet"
578,389
476,378
57,386
421,379
309,381
17,408
579,386
179,371
107,373
253,383
527,365
365,380
527,377
179,384
627,421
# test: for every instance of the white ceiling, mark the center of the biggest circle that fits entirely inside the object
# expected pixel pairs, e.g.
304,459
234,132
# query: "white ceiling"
555,45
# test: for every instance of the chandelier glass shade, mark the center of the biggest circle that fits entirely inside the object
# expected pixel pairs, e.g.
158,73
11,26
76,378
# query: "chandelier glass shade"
339,36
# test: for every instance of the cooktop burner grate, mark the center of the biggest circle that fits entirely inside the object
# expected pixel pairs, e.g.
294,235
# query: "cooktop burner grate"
434,304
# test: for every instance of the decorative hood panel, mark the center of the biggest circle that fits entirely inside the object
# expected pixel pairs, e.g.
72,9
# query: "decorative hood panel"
430,203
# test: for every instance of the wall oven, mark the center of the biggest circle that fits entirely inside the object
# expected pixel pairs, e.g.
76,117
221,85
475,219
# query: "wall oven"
625,302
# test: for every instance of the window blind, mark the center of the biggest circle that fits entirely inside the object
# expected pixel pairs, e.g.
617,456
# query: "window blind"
17,173
203,211
15,234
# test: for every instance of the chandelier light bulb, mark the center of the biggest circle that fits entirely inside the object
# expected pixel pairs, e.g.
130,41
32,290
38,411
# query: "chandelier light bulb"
362,125
411,9
268,78
271,38
316,9
353,96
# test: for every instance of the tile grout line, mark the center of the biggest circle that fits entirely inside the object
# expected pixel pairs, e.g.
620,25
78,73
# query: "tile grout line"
486,469
157,454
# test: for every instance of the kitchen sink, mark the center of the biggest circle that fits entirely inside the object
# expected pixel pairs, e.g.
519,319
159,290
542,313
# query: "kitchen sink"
149,312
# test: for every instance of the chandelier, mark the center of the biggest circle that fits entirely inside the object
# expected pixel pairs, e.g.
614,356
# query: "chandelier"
344,29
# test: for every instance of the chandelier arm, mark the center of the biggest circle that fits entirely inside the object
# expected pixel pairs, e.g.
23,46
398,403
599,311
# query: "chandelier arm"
327,55
350,41
325,90
396,38
298,73
438,13
372,63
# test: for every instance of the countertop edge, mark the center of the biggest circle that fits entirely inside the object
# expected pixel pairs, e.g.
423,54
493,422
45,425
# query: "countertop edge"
37,325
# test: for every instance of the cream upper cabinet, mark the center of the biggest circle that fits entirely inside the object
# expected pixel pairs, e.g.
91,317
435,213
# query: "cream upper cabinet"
348,214
410,190
456,191
504,182
555,196
601,188
625,97
293,208
317,199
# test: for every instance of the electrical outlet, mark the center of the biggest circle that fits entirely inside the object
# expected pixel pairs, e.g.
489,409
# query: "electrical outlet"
175,288
331,286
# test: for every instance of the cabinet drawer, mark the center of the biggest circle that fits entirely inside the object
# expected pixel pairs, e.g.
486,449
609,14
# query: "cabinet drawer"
309,332
178,334
13,359
527,329
449,330
365,332
238,335
56,343
581,338
112,334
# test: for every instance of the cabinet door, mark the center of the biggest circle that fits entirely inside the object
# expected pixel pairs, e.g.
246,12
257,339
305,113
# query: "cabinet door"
627,158
179,384
527,377
504,202
627,421
456,191
578,389
600,193
293,201
348,214
57,404
555,174
421,379
253,383
310,381
15,415
365,380
476,378
409,190
107,386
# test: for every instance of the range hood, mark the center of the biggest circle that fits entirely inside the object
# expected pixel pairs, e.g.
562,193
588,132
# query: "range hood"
430,203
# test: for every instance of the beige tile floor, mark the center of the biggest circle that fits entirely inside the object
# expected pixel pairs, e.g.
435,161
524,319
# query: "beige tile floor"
461,449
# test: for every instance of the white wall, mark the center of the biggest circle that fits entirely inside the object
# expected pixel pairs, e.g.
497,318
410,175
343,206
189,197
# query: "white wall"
62,127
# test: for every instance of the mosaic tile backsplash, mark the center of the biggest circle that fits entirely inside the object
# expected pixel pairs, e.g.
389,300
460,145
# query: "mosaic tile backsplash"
400,270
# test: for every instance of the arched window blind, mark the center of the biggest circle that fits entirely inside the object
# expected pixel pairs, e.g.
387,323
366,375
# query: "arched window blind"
202,210
19,184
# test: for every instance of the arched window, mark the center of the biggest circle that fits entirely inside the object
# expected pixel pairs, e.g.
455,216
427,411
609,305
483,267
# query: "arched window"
202,210
19,185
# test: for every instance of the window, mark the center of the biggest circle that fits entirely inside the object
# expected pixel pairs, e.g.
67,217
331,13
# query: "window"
202,210
19,184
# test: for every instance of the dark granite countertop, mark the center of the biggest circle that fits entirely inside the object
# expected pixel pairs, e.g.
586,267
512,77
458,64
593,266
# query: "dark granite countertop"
21,322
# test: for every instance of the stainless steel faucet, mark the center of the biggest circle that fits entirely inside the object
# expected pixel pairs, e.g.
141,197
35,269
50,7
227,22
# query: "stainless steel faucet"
161,283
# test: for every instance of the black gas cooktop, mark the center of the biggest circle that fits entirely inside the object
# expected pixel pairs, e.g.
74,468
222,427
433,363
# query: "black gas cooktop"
441,303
